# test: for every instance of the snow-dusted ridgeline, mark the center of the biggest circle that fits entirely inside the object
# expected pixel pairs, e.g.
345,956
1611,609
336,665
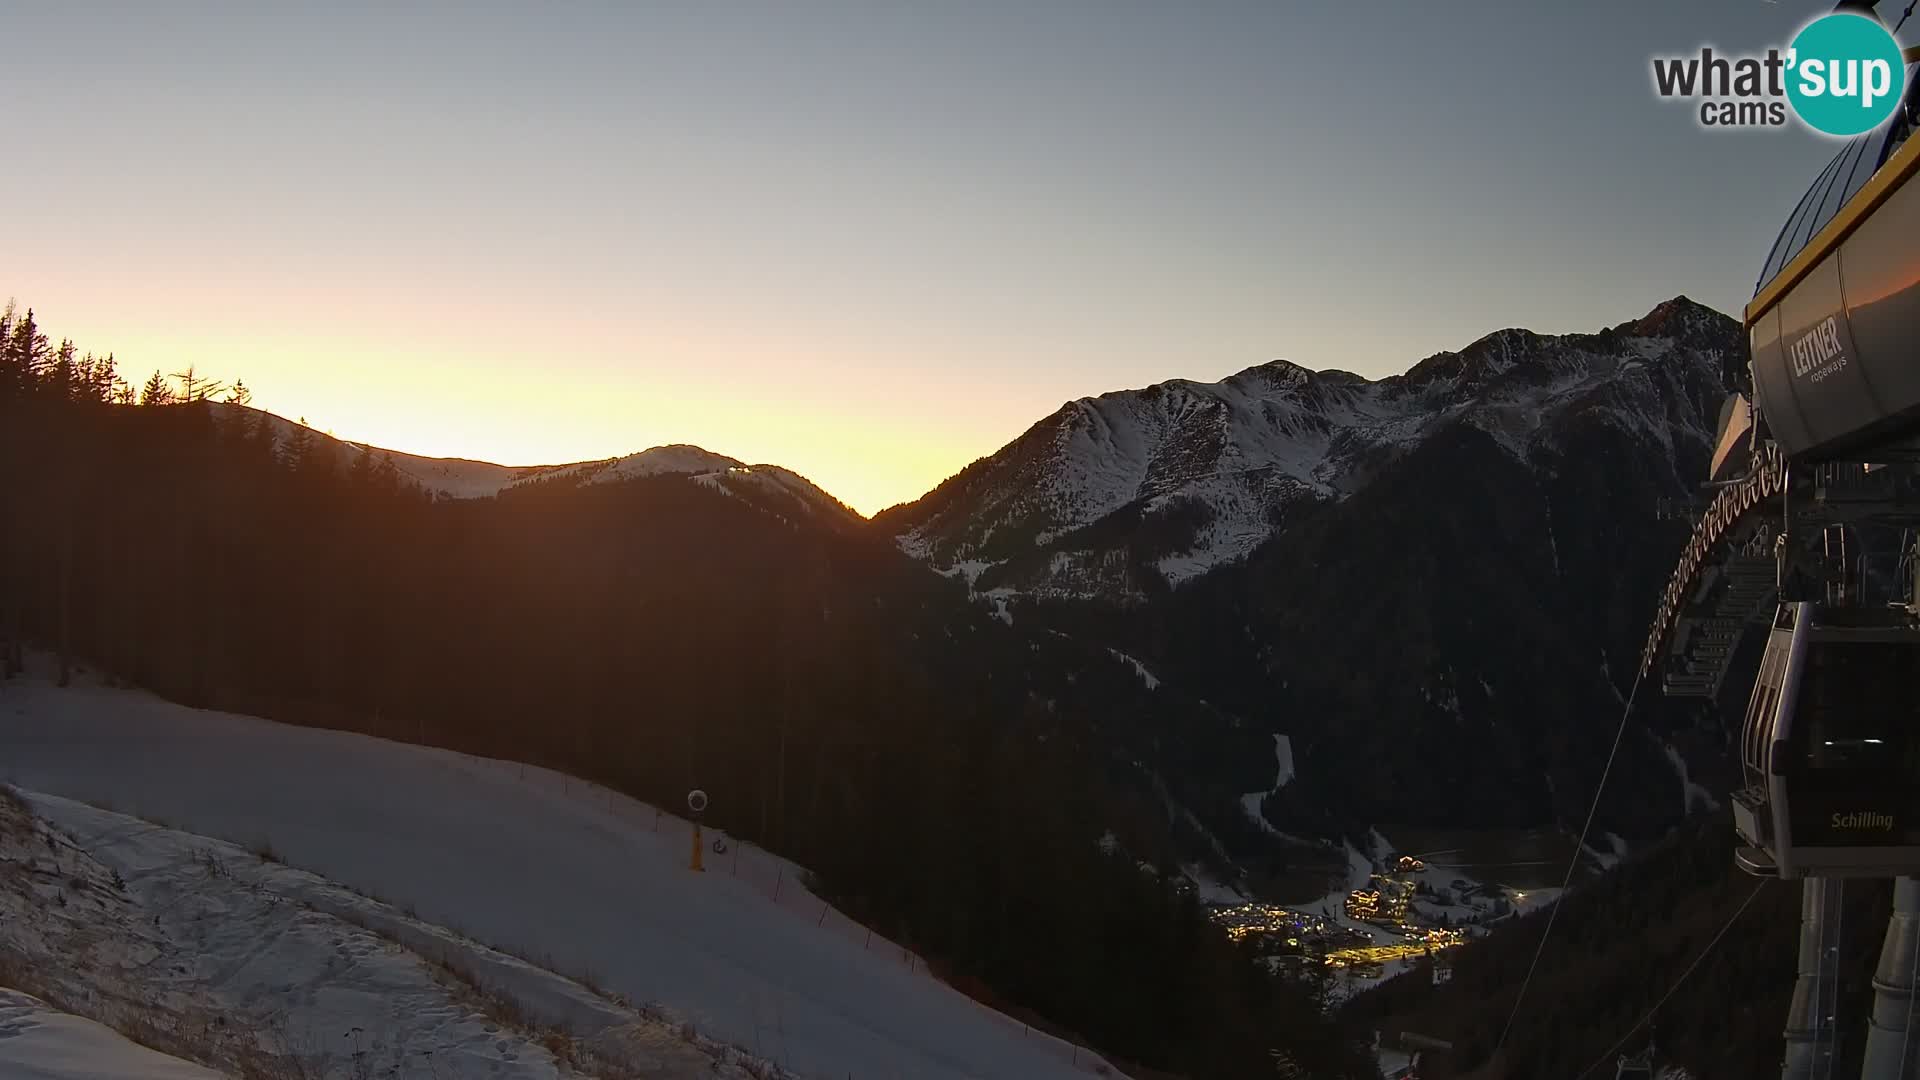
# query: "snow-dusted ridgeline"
460,478
1234,456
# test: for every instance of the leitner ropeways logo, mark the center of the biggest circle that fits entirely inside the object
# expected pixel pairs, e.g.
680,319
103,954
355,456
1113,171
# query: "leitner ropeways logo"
1841,76
1818,352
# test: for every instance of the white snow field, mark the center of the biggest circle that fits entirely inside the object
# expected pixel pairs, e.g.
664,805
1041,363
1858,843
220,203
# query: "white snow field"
39,1042
209,952
579,879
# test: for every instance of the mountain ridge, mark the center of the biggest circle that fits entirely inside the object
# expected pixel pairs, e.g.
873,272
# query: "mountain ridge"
1202,473
468,478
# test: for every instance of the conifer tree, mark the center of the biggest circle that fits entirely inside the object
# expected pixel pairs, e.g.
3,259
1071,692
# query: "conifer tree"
7,317
387,476
360,473
103,380
63,371
298,451
156,391
21,355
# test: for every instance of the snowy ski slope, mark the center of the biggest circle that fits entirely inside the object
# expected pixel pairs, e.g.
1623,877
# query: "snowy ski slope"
39,1042
570,874
204,950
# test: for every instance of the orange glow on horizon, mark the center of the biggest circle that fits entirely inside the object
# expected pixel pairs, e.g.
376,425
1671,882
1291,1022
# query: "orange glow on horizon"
866,464
849,428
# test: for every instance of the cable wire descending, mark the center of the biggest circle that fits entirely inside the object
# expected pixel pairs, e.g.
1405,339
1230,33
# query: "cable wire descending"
1642,1022
1573,864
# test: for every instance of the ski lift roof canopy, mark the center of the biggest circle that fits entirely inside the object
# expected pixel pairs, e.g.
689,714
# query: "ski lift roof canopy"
1817,224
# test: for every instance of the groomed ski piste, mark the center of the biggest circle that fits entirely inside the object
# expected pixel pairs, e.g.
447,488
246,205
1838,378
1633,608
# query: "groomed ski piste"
209,953
39,1042
327,891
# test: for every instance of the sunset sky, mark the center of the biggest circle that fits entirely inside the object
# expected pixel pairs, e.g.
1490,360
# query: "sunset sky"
867,241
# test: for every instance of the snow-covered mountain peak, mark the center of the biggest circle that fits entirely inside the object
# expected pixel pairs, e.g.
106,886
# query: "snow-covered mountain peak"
1277,374
1134,490
776,489
1679,317
677,459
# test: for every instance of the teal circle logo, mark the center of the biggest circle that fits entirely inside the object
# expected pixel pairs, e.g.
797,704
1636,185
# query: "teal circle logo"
1845,75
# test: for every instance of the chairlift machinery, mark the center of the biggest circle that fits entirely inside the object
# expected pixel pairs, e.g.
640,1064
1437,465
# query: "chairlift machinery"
1813,533
1816,464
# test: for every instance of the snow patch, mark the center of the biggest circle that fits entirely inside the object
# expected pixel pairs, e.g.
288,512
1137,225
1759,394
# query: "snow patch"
1394,1064
1605,860
1000,601
1147,677
967,570
1283,775
1691,793
1283,761
1250,805
39,1042
1211,891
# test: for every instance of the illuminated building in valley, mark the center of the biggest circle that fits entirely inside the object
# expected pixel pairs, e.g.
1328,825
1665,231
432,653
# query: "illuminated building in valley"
1385,899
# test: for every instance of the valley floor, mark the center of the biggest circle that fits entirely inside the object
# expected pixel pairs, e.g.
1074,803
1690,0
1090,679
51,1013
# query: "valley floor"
458,850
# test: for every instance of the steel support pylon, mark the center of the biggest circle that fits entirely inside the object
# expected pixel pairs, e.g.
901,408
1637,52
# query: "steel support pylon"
1893,1046
1811,1018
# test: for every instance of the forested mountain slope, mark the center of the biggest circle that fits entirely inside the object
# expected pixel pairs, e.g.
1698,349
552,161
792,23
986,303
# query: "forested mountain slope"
948,777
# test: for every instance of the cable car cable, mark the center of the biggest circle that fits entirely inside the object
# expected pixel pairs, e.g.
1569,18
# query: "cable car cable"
1611,1050
1573,864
